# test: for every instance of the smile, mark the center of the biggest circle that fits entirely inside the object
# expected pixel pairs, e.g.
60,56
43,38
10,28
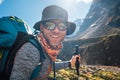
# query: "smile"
53,36
54,55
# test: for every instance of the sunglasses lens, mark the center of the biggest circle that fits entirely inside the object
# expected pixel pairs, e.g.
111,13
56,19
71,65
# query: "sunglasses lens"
62,26
49,25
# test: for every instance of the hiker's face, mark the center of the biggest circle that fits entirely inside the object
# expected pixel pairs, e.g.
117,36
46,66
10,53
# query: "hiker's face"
54,36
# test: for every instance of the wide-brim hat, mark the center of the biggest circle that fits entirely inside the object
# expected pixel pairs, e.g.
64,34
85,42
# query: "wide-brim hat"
54,12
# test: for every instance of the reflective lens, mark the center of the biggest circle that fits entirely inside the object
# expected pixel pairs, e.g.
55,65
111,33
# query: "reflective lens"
51,25
62,26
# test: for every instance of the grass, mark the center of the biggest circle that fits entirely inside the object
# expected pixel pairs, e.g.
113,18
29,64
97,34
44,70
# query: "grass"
88,73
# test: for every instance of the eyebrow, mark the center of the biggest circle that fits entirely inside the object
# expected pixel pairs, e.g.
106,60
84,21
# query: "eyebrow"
56,21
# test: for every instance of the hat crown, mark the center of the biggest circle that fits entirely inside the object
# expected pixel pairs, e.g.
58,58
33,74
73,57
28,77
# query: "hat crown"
54,12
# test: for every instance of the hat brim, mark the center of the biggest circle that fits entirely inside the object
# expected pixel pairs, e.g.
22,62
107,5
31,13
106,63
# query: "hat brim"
70,29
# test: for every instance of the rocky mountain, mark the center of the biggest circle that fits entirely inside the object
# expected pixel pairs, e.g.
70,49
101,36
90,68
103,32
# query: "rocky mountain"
102,19
99,35
78,23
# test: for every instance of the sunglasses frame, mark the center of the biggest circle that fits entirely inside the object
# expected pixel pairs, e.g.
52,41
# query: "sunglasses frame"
56,25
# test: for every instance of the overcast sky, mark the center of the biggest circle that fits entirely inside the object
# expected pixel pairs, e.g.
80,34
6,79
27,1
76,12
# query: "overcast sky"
30,10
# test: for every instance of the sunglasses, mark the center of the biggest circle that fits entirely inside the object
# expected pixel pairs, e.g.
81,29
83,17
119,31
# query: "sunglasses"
49,25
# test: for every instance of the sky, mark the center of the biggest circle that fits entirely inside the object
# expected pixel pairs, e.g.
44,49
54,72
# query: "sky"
31,10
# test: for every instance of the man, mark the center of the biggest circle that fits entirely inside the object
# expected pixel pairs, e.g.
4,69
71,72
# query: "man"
53,27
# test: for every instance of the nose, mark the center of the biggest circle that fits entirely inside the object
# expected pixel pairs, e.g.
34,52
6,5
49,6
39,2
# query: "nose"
56,29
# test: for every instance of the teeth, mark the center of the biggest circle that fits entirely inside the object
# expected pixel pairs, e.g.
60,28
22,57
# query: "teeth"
55,36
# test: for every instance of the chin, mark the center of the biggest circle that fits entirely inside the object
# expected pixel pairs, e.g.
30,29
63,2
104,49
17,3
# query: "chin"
54,45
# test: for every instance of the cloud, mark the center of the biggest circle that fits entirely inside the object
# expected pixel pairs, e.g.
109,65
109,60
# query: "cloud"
1,1
85,1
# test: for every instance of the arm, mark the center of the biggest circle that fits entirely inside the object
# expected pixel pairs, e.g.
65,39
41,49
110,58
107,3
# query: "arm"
65,64
25,61
61,65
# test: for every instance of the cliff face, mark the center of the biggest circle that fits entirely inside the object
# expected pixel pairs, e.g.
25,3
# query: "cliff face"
99,35
103,22
102,19
105,52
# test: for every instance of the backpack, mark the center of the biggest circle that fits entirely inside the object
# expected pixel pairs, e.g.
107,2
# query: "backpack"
14,32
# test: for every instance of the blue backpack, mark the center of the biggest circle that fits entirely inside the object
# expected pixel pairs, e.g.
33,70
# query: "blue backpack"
14,32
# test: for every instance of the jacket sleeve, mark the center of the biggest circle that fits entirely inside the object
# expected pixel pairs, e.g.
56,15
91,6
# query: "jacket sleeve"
61,65
25,61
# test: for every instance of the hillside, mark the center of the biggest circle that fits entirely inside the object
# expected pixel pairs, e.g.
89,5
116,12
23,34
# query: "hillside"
99,35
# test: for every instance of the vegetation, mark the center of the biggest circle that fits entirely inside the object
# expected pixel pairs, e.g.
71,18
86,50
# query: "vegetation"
89,73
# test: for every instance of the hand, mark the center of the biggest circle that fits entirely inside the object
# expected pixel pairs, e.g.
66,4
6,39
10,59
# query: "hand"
73,60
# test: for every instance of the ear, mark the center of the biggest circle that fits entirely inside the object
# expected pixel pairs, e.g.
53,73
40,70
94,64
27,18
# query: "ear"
41,27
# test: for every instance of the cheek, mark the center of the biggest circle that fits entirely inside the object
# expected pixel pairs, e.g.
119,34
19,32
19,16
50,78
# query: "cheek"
62,36
46,32
63,33
46,35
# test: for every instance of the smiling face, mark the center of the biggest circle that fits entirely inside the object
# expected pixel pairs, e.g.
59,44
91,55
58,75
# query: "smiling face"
53,37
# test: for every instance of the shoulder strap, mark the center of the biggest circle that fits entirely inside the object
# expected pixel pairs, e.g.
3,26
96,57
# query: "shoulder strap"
10,60
39,47
12,53
42,57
